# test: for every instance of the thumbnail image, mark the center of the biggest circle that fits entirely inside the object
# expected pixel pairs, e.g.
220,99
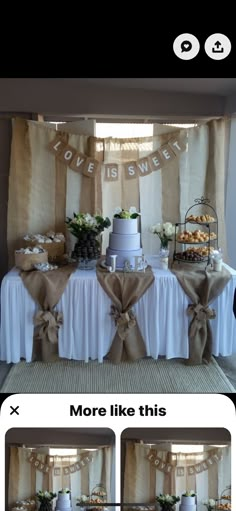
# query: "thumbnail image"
59,469
184,469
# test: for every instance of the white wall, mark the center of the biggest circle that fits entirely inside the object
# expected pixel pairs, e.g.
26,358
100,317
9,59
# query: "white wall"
230,212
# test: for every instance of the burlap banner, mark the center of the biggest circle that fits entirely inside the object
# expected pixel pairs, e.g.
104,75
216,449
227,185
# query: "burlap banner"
214,457
39,465
159,463
133,169
70,469
204,465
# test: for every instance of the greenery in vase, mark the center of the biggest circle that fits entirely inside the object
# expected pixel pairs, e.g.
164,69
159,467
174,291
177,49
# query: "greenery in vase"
167,501
84,222
164,232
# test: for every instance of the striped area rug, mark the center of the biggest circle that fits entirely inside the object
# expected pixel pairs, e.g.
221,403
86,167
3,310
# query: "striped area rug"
145,376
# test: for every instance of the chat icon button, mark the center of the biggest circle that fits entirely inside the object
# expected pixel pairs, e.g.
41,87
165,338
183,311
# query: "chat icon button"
186,46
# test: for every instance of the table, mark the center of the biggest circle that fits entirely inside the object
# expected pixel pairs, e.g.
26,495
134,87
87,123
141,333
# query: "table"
88,328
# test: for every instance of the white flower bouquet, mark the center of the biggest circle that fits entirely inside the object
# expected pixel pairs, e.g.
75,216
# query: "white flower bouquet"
167,501
210,504
164,232
84,222
82,501
45,498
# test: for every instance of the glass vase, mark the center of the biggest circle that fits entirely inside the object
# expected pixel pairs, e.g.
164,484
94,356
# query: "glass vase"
164,258
45,506
87,250
164,507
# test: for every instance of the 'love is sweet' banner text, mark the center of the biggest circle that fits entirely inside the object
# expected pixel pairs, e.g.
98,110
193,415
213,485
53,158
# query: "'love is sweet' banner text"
87,166
70,469
168,467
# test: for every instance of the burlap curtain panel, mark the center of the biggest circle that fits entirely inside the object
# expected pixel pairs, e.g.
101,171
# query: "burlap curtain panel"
141,483
43,190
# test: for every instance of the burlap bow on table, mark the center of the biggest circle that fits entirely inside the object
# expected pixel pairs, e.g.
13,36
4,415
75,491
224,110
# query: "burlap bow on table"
46,289
124,290
202,286
49,324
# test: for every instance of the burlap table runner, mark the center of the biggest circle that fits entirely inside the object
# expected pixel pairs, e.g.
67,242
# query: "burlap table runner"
202,285
46,289
124,290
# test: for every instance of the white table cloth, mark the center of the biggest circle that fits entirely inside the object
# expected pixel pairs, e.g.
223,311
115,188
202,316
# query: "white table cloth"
88,328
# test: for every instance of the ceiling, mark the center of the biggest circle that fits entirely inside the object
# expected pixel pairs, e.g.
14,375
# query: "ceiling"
185,435
216,86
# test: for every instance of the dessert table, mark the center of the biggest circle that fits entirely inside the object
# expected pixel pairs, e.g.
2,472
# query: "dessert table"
88,328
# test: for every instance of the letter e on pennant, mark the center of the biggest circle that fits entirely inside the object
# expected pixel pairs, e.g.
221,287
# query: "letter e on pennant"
155,161
167,153
91,167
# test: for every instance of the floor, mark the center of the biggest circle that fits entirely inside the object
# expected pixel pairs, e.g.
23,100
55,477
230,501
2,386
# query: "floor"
227,364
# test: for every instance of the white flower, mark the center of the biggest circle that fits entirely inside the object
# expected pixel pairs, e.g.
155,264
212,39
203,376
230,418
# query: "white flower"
84,498
117,211
132,210
168,498
168,228
157,228
212,502
152,229
89,219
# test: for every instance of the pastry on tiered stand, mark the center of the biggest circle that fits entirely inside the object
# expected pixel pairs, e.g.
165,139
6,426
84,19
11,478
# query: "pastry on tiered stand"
201,219
98,496
196,236
195,254
224,507
94,502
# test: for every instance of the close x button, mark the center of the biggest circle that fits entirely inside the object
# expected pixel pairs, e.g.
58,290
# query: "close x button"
14,410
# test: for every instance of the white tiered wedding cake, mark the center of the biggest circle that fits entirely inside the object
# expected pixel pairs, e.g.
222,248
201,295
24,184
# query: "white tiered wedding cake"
124,241
188,503
63,502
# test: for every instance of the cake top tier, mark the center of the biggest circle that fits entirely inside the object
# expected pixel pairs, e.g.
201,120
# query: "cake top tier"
129,226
